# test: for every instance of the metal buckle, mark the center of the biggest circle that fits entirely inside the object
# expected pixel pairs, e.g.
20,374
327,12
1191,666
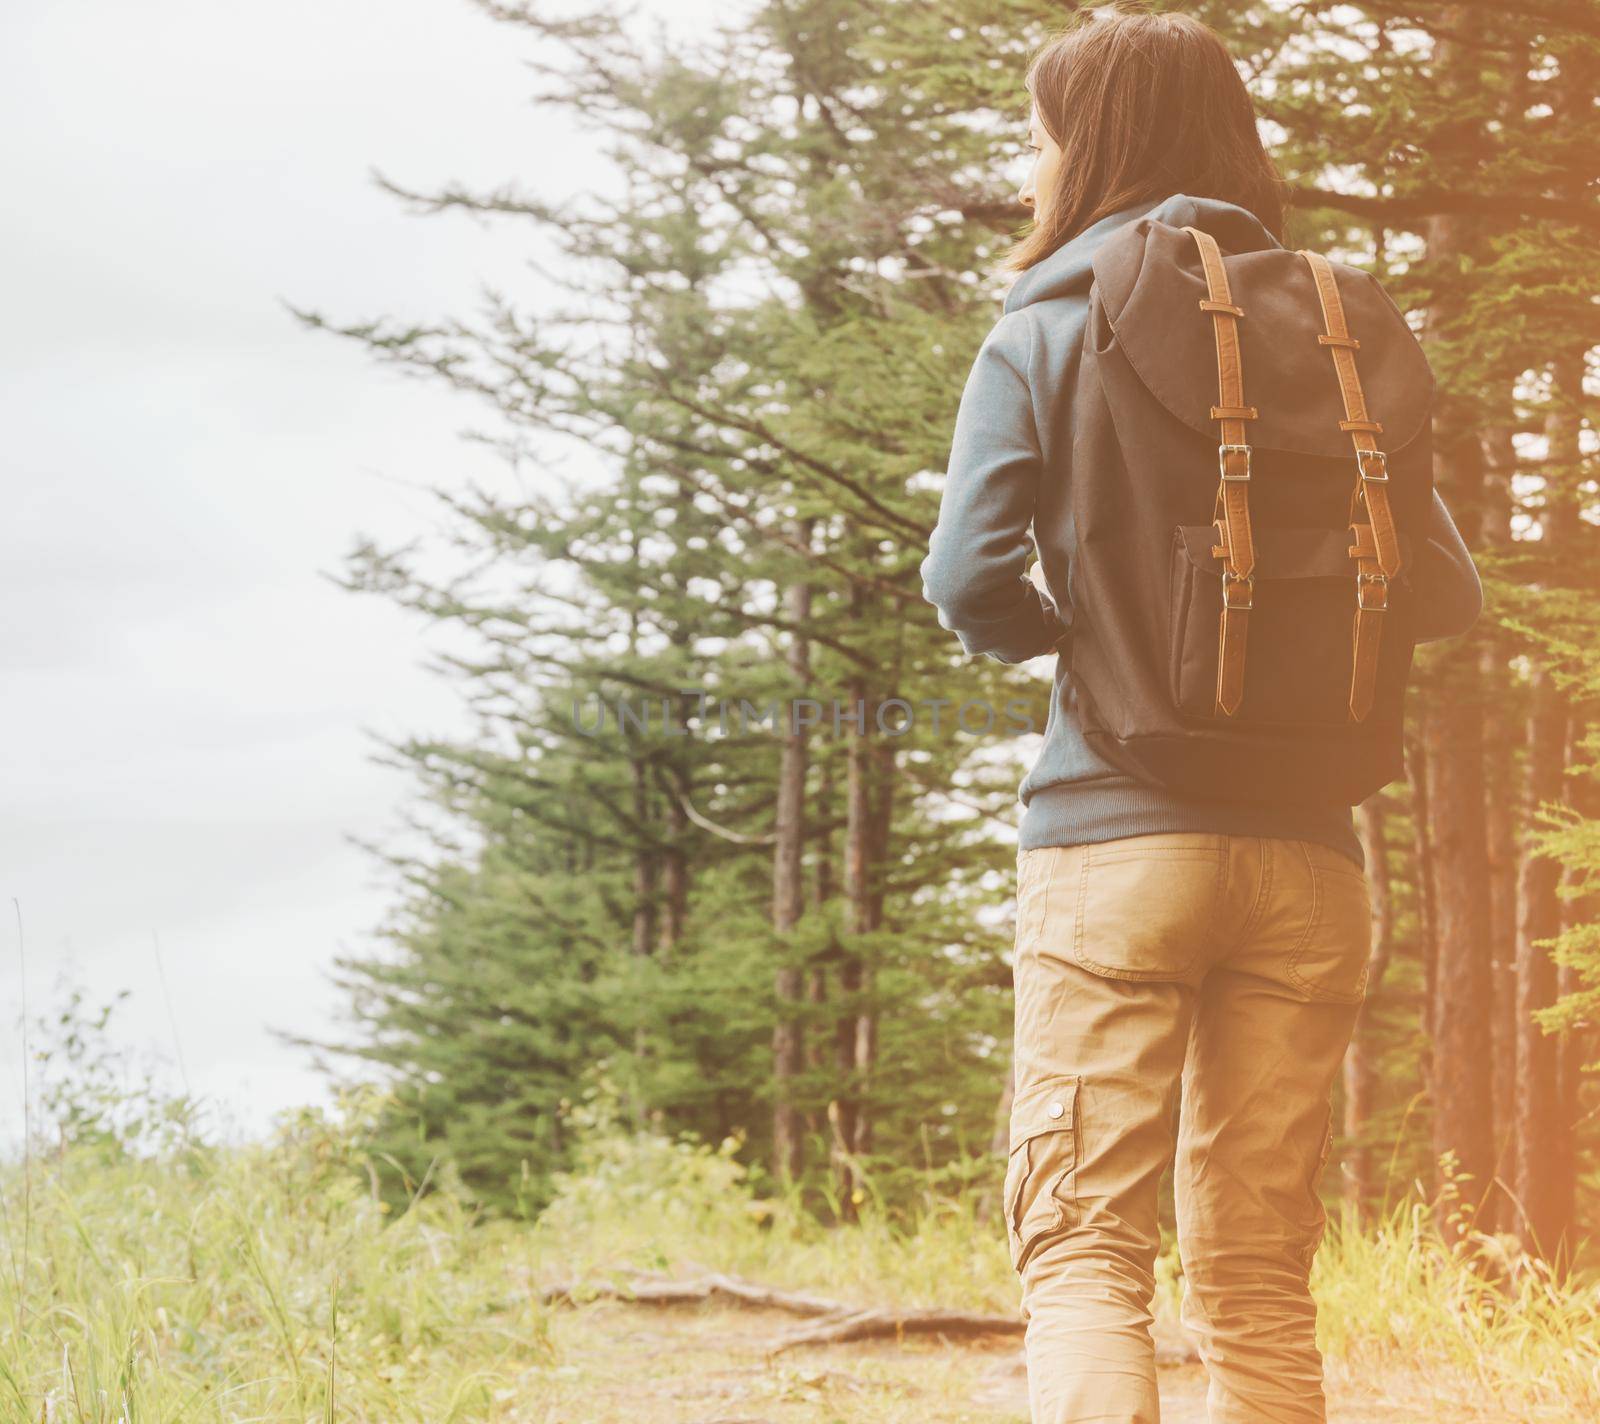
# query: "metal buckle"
1362,456
1231,580
1223,451
1378,581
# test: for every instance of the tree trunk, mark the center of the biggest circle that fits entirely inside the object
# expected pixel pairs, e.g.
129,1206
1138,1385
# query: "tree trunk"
1539,1192
1460,1084
646,862
1578,85
845,1109
674,866
1575,1047
645,873
1422,844
1463,1137
817,988
882,764
1500,806
1545,1166
788,902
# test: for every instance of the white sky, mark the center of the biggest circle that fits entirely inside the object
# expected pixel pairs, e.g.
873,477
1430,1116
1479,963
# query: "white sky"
187,697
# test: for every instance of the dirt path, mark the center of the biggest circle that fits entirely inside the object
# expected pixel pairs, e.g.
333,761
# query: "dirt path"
707,1364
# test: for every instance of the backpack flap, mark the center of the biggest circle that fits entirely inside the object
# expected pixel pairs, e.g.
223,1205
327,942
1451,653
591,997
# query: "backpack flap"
1149,282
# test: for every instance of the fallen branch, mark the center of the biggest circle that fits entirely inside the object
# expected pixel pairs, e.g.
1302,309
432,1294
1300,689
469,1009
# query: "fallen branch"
836,1322
876,1324
649,1288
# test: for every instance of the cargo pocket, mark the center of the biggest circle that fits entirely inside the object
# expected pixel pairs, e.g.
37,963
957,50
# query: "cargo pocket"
1040,1193
1330,961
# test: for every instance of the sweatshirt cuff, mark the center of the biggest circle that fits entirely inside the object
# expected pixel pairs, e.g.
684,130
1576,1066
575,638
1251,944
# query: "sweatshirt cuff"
1031,630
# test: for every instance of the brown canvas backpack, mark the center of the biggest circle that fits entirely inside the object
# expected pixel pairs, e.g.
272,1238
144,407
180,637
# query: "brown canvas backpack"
1251,472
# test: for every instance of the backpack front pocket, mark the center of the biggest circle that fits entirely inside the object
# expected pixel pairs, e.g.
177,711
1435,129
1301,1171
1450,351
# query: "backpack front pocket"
1300,640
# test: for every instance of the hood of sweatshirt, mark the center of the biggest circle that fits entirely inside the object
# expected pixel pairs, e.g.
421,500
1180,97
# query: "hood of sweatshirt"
1148,271
1069,270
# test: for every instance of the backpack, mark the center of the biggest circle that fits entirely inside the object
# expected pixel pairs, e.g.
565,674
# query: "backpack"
1252,469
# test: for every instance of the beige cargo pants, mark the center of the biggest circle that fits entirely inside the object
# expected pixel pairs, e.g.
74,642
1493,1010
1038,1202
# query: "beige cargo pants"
1225,968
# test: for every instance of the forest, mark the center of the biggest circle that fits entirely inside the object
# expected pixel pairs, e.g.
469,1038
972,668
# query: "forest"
647,873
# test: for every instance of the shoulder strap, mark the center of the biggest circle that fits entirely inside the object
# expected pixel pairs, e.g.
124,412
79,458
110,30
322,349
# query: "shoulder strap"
1237,545
1376,549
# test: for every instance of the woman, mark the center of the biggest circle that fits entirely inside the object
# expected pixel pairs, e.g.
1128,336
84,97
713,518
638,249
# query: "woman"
1166,948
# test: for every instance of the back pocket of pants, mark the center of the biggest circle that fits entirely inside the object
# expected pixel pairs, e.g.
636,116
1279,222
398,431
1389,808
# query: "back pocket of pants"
1148,911
1040,1193
1330,961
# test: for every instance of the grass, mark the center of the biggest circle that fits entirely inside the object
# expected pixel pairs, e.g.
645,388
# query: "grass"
270,1283
243,1284
1480,1325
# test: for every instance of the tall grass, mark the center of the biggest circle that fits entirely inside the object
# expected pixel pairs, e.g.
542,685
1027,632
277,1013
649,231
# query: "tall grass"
272,1282
1478,1323
259,1283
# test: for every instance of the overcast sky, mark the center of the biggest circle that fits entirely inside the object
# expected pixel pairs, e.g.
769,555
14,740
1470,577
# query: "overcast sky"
188,699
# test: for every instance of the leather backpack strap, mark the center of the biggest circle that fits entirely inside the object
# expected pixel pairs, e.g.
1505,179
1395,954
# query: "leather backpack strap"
1376,549
1237,547
1372,601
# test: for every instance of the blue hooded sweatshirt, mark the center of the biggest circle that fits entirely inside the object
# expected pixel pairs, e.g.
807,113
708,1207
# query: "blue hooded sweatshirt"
1012,428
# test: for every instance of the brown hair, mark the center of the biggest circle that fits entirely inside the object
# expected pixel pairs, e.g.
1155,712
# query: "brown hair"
1142,105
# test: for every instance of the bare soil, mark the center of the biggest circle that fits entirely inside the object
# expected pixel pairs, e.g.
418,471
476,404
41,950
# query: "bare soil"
708,1362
